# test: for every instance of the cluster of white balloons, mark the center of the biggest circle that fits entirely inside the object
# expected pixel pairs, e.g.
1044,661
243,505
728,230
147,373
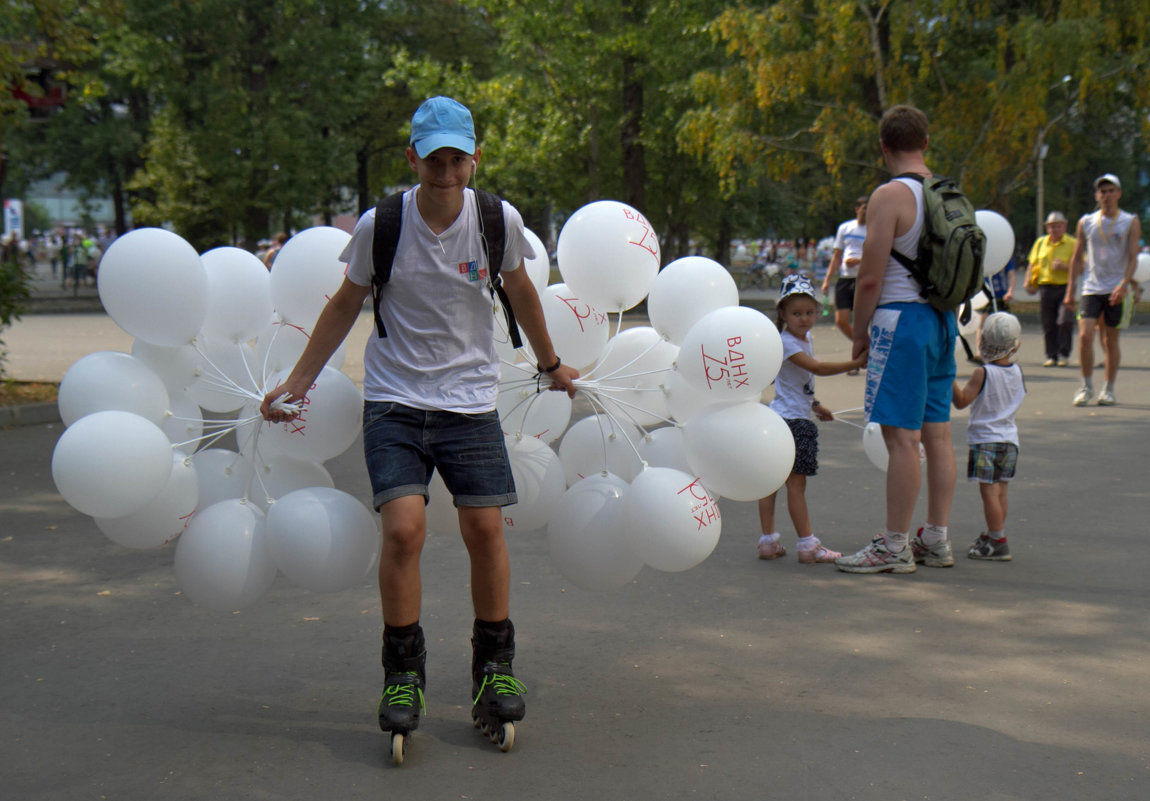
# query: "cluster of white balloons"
676,417
213,333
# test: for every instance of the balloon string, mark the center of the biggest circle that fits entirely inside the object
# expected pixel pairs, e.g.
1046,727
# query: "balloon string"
636,406
849,423
595,400
225,427
227,382
622,367
844,411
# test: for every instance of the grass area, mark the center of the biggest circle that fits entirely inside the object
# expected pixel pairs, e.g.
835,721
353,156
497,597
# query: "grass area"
15,393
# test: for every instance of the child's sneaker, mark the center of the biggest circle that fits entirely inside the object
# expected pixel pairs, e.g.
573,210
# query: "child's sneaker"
819,554
771,550
876,558
938,555
986,548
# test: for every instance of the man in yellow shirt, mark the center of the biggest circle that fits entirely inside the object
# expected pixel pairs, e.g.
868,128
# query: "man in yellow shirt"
1048,274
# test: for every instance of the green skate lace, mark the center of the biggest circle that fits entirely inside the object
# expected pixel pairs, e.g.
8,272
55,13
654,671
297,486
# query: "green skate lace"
403,694
503,684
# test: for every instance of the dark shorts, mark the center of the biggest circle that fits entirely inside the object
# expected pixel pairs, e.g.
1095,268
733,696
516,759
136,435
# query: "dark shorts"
403,446
1095,306
806,435
991,462
845,294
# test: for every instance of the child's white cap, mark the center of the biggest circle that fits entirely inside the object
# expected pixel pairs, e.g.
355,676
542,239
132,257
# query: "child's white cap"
1000,338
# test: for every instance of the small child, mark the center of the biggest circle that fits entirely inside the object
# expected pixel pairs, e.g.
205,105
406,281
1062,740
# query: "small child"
798,310
993,393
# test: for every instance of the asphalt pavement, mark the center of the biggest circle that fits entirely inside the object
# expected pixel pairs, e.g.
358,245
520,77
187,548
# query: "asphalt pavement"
738,679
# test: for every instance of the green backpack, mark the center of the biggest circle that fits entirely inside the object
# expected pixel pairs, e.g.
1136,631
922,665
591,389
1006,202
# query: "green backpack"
948,265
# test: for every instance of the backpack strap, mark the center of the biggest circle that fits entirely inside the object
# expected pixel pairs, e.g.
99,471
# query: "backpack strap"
911,264
384,241
493,234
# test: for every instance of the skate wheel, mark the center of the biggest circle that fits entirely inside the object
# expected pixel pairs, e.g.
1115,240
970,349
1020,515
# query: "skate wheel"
397,748
507,737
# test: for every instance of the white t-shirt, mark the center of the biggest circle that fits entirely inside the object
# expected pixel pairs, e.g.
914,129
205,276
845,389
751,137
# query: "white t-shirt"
897,285
439,352
992,412
794,386
849,239
1106,251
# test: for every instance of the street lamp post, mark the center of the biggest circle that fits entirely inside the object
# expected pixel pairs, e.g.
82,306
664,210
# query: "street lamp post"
1043,149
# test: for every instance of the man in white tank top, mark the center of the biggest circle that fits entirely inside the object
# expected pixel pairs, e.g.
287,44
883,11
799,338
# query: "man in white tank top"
1106,253
910,368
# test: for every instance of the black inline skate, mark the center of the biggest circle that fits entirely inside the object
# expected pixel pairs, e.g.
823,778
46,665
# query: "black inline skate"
404,671
498,695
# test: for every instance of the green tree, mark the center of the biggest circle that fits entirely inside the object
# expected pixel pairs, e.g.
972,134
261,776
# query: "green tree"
808,79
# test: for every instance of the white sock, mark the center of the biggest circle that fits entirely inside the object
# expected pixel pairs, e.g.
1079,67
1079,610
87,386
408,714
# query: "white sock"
932,535
1088,384
996,535
765,538
1110,387
808,543
896,540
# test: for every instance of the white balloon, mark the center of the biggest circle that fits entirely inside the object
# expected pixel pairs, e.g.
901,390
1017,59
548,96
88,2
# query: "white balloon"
230,378
671,521
685,291
523,410
328,425
323,539
307,271
586,535
538,267
665,447
609,255
110,380
152,283
178,367
742,451
280,344
1142,271
281,475
874,446
539,483
222,475
979,301
999,240
685,401
632,375
732,353
222,559
239,294
111,464
162,520
184,426
596,444
578,331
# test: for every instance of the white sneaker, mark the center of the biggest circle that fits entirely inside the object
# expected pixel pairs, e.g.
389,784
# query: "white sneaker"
1050,363
1082,397
1105,398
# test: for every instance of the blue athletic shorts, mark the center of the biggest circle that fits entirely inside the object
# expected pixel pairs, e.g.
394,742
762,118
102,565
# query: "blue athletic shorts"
403,445
910,372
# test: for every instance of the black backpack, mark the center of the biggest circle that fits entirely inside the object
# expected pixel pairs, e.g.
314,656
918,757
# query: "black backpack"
492,232
948,265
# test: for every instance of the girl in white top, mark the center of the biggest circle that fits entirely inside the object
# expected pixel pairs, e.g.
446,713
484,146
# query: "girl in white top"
993,393
798,310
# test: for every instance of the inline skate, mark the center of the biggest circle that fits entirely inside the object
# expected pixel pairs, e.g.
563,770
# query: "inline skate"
498,695
404,670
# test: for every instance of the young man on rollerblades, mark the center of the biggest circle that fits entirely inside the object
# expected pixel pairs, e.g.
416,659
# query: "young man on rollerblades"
430,386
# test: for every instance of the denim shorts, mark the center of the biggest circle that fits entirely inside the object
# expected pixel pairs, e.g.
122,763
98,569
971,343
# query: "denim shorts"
403,446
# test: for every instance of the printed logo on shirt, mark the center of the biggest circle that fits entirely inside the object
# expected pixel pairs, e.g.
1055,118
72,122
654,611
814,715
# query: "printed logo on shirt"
472,271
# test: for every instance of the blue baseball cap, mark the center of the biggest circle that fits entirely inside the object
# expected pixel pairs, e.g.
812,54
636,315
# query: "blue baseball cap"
442,122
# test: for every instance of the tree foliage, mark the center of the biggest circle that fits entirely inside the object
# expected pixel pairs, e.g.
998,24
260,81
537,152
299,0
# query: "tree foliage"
808,79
